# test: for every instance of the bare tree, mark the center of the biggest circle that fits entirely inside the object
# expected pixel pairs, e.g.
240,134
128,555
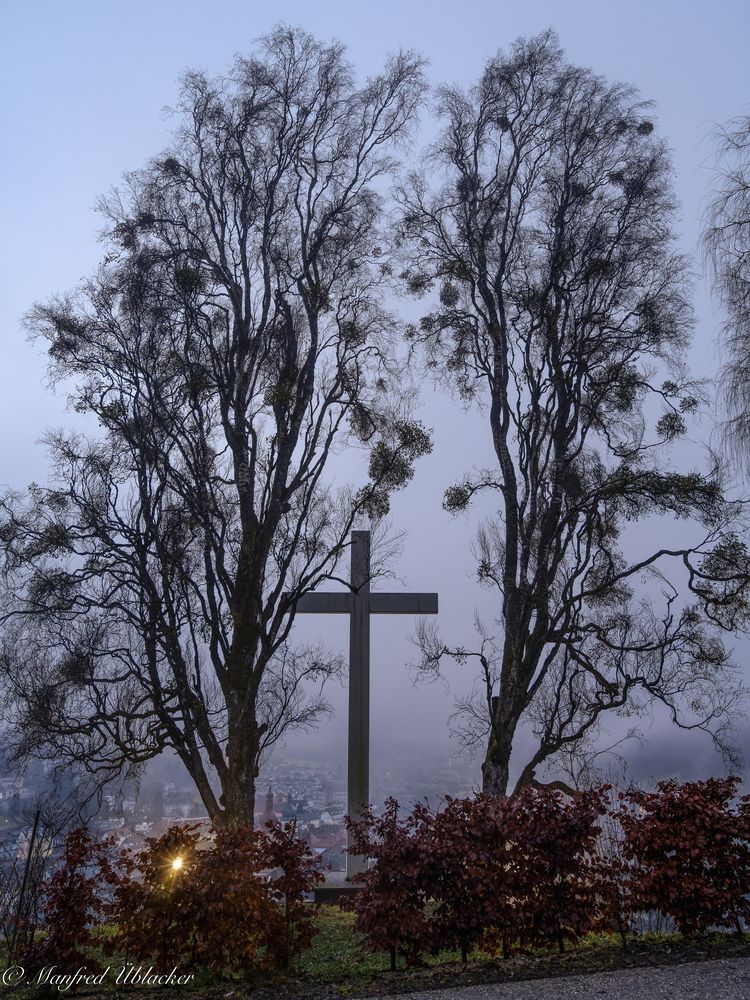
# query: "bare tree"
564,313
231,341
41,824
726,246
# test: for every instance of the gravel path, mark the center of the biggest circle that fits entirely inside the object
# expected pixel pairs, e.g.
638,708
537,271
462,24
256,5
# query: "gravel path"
726,979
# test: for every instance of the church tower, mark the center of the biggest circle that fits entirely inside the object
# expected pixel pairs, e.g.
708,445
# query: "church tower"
268,812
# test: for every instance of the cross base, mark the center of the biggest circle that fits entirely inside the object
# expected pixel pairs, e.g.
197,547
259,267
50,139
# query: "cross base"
335,888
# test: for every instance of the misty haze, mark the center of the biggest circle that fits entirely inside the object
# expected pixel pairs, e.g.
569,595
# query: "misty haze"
375,470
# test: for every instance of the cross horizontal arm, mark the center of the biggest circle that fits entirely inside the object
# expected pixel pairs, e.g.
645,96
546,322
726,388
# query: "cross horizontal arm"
340,603
403,604
322,603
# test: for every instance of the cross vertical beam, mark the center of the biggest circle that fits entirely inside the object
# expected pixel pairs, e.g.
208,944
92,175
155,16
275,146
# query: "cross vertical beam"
358,770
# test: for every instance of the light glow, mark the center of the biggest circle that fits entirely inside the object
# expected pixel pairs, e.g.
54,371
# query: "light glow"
177,864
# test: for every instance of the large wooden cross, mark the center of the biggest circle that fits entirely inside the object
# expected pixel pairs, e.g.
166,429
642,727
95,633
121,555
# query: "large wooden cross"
359,604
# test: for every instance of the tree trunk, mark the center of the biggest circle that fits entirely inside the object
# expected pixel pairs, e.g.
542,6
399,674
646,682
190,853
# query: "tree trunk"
496,766
495,774
239,800
239,786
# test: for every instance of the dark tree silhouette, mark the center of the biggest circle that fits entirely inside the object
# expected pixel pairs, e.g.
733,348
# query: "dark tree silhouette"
564,313
726,246
232,338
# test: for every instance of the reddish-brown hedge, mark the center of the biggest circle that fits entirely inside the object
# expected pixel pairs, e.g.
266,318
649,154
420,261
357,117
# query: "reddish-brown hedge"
391,909
503,871
231,906
557,891
523,871
688,846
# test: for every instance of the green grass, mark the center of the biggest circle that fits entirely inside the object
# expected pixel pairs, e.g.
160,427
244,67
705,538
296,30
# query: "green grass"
337,950
339,955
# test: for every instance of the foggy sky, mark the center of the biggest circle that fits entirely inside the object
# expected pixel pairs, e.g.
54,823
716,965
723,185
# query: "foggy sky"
84,83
